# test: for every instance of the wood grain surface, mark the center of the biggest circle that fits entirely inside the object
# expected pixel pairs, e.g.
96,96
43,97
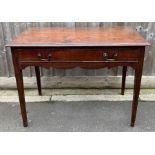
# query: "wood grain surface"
113,36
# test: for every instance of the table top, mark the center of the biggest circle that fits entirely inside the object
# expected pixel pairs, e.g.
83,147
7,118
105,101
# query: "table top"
49,37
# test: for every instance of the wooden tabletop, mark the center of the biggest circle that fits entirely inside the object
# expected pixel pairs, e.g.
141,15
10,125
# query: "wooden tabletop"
113,36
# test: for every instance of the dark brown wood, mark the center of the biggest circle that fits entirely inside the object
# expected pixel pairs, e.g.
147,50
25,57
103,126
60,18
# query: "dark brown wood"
84,48
124,70
137,84
78,54
80,64
37,71
20,87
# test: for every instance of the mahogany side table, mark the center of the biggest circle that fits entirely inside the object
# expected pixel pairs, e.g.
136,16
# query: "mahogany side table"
89,48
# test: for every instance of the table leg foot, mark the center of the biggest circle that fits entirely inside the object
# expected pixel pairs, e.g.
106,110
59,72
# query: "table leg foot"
132,124
25,124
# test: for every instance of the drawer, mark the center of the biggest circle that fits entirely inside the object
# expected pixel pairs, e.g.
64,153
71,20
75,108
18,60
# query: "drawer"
78,54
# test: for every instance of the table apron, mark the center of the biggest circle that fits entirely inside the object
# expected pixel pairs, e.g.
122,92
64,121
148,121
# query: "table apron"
80,64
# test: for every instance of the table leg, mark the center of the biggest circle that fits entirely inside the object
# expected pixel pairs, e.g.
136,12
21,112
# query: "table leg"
137,83
20,88
123,79
37,71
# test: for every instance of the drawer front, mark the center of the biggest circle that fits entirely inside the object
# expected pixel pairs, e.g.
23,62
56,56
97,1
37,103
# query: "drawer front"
79,54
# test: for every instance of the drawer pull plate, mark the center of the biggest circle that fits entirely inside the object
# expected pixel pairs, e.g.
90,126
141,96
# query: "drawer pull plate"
42,59
105,55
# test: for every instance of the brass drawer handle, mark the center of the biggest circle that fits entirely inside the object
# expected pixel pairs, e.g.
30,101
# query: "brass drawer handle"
48,58
105,55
